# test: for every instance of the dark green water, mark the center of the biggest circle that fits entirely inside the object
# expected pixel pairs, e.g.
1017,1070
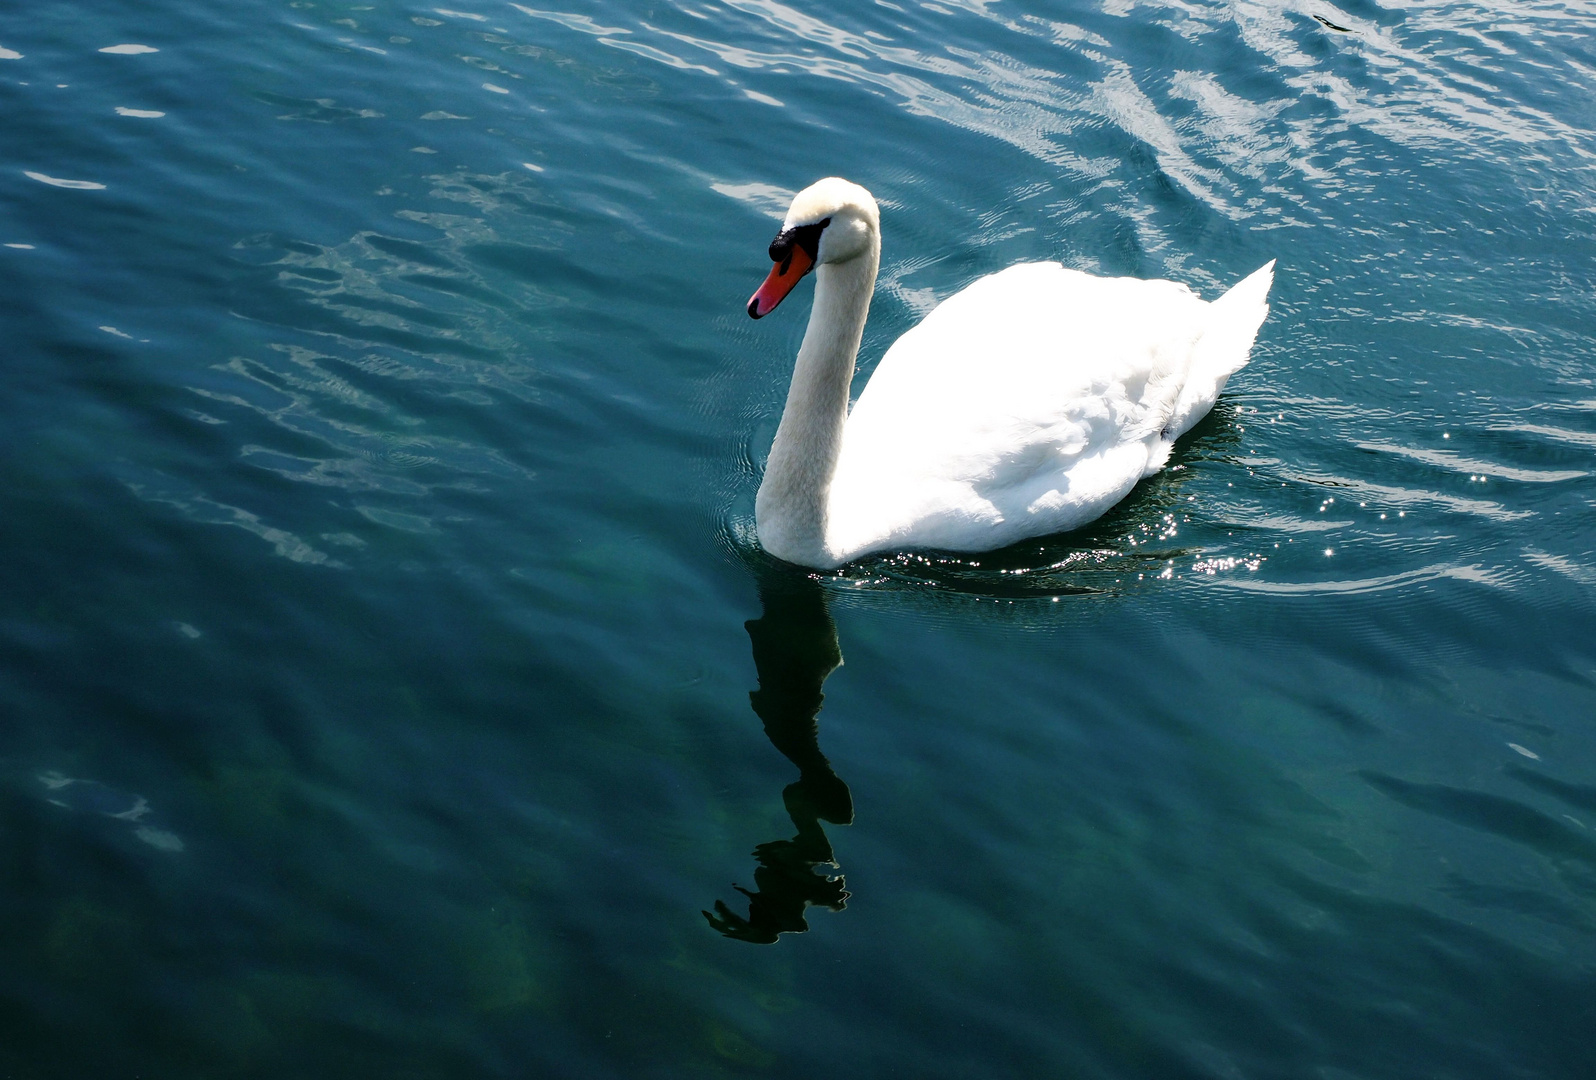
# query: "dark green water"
379,430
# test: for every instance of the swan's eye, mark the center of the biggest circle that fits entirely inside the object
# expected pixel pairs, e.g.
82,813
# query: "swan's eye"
806,237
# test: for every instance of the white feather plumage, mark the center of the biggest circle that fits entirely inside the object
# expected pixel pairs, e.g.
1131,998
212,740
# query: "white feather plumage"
1027,404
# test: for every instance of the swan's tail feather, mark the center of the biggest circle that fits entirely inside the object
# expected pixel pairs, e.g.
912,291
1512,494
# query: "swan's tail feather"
1233,322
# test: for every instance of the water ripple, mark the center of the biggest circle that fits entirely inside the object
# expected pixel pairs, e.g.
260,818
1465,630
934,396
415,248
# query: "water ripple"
1495,577
202,509
381,446
1459,464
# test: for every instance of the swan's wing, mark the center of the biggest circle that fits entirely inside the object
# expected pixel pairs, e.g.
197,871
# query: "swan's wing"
1035,391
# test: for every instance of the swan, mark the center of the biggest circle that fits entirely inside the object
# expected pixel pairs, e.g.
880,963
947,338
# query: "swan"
1026,404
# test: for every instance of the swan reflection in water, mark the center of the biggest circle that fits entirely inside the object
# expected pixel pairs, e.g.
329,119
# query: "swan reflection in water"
795,649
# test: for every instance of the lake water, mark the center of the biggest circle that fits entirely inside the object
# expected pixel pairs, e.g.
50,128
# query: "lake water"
379,610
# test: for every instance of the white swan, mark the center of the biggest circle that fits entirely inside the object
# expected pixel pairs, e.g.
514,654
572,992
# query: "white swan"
1027,404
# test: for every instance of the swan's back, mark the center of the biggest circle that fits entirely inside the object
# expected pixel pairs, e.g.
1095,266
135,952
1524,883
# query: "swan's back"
1029,403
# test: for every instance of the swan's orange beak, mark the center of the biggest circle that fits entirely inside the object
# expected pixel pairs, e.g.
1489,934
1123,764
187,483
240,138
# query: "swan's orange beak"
783,276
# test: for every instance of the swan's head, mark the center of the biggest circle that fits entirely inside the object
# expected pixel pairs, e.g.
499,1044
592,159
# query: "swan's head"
830,221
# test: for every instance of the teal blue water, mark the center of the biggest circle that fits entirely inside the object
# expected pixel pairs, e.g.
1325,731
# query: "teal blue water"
390,684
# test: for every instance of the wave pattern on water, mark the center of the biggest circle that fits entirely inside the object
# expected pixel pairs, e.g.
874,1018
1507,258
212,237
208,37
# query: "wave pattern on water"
381,428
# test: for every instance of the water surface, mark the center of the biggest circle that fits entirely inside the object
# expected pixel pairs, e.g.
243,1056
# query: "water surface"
391,683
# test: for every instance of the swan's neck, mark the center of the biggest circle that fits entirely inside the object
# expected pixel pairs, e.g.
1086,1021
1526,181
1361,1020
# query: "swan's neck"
790,510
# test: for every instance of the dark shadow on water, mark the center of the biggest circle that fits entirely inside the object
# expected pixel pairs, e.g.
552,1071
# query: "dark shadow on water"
795,649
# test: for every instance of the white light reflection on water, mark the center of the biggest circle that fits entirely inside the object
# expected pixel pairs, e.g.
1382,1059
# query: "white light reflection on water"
56,181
